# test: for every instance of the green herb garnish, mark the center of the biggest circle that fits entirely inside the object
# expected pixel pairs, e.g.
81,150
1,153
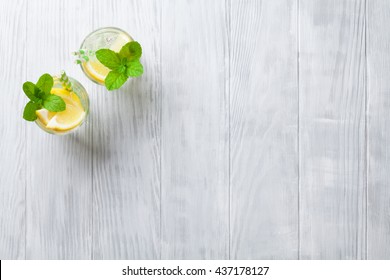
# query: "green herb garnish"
123,65
40,96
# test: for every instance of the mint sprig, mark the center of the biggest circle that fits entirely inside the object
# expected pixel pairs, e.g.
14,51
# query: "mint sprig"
123,65
40,96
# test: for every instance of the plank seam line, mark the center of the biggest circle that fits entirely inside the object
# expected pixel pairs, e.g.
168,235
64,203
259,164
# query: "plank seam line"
366,128
298,136
161,128
229,121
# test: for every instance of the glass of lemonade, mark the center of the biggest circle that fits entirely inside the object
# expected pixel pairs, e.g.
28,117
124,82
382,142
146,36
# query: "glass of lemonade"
103,38
75,114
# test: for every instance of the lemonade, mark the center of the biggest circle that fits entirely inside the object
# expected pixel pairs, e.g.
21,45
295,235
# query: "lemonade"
104,38
77,106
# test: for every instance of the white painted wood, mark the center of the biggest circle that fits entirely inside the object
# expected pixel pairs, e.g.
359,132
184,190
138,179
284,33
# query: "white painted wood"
332,129
126,137
264,129
13,130
195,187
198,159
59,169
378,123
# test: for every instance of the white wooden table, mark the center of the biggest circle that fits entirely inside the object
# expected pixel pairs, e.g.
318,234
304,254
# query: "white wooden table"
260,130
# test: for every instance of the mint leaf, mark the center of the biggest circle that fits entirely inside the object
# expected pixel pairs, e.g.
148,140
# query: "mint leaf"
31,91
124,64
29,111
108,58
121,69
132,51
40,94
115,80
134,69
45,83
54,103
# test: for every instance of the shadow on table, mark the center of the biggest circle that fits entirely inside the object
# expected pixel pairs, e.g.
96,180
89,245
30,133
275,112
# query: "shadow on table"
121,122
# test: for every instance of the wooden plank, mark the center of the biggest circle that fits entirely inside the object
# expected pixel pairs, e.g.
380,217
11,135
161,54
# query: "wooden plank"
13,130
126,135
332,129
59,170
264,129
378,123
195,213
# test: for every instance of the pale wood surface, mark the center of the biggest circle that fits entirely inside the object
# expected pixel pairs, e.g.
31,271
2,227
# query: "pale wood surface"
259,130
263,129
13,166
126,143
332,129
59,169
195,186
378,134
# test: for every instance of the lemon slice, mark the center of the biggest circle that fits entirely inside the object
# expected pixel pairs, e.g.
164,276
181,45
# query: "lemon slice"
96,70
44,115
65,120
68,119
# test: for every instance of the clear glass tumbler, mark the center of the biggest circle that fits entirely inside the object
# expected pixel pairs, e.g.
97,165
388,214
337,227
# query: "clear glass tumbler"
103,38
75,114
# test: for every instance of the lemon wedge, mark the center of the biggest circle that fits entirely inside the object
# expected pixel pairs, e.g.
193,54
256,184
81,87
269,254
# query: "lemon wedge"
58,91
68,119
69,97
45,116
65,120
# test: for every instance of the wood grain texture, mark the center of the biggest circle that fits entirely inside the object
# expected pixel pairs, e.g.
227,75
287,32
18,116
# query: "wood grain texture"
195,188
59,171
126,136
378,123
332,129
13,131
264,129
259,130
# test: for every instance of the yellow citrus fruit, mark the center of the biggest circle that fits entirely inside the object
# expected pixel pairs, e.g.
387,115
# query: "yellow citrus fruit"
65,120
96,70
45,116
68,96
68,119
